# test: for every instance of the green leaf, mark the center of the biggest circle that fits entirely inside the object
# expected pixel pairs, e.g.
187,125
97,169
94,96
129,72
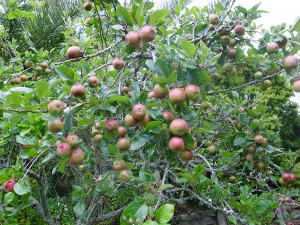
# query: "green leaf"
202,130
79,208
152,125
120,98
296,26
8,197
134,210
21,187
64,72
139,141
149,222
239,141
48,157
164,187
28,140
165,213
158,16
124,15
21,89
188,48
139,11
84,121
161,68
68,123
42,88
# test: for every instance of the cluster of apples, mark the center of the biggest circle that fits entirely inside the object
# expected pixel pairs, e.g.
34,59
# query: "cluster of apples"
70,149
287,178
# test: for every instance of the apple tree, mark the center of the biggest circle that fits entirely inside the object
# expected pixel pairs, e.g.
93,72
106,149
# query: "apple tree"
133,113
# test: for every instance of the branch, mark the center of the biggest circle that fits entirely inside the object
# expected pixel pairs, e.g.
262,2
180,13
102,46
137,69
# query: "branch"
87,57
207,163
107,216
162,183
23,111
244,85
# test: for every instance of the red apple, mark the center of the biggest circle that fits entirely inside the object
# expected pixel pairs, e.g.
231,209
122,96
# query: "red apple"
231,53
179,127
139,111
168,116
76,157
72,139
88,6
176,144
124,89
239,30
177,95
160,91
9,185
296,86
290,62
213,19
124,175
55,126
130,121
147,33
186,155
132,38
56,106
63,150
258,139
93,81
77,90
151,94
192,92
118,63
123,144
272,47
121,131
232,42
146,119
23,77
73,52
119,165
111,125
251,149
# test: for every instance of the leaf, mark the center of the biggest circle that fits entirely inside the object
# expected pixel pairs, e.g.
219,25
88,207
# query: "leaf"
164,187
188,47
296,26
139,141
8,197
202,130
134,210
21,89
27,140
239,141
79,208
139,11
42,88
149,222
84,121
165,213
161,68
158,16
68,123
65,72
48,157
120,98
21,187
124,15
152,125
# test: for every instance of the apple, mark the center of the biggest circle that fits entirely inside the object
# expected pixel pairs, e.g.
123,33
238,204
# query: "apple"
264,142
251,149
88,6
232,179
258,139
139,47
212,149
293,177
249,157
27,64
282,181
77,90
55,126
76,157
124,175
272,47
119,165
258,75
56,106
44,65
111,125
38,69
23,77
168,116
267,83
228,67
285,176
93,81
47,71
290,62
232,42
224,39
282,43
160,91
132,38
124,89
146,119
192,92
231,53
179,127
213,19
17,80
296,86
151,94
9,185
211,27
63,150
139,111
118,63
147,33
73,52
130,120
98,137
239,30
72,139
123,144
260,165
177,95
186,155
121,131
176,144
215,76
88,20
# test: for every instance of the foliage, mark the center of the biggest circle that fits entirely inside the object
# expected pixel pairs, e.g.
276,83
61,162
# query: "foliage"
224,120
